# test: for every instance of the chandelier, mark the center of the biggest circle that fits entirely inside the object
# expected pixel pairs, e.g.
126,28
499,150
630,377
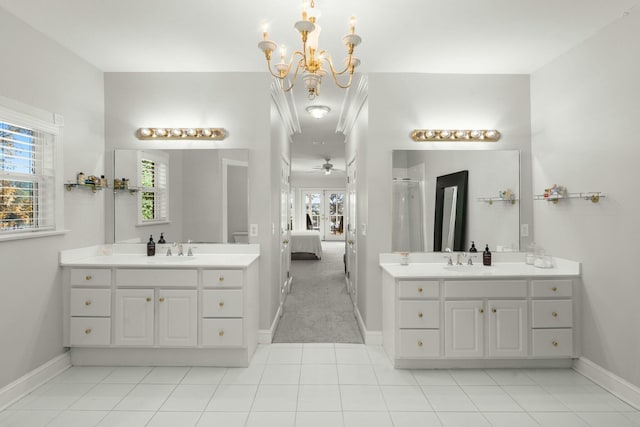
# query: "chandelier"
309,61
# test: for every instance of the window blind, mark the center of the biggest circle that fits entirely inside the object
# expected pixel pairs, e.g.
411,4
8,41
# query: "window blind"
153,170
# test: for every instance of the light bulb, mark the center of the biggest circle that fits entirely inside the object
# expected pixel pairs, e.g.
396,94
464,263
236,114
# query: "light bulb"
283,54
176,132
192,132
206,132
265,28
160,132
145,132
352,25
444,134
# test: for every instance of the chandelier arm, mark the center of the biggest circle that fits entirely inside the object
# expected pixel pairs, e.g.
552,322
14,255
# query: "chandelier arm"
335,76
293,80
333,70
277,76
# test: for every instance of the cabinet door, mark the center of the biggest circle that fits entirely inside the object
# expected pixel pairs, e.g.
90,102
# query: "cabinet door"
463,322
177,316
134,317
508,328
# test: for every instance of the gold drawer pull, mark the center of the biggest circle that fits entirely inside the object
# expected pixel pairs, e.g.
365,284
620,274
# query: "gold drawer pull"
420,290
148,299
481,310
161,299
554,343
88,277
554,289
221,279
221,303
87,331
493,310
221,333
87,302
419,343
420,315
554,314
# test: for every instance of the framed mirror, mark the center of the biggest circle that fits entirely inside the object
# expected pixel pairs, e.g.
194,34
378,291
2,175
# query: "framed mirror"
451,212
198,195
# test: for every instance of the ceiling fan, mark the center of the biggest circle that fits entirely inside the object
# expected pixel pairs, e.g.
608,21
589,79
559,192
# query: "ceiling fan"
327,167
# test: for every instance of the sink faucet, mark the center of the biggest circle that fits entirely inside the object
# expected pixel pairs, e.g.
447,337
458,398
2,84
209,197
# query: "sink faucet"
461,254
470,261
448,257
189,251
169,249
180,249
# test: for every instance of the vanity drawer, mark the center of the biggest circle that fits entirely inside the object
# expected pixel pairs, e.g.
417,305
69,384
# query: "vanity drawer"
551,288
222,278
156,277
222,303
88,331
417,343
419,314
552,342
485,289
222,332
413,289
90,277
552,314
90,302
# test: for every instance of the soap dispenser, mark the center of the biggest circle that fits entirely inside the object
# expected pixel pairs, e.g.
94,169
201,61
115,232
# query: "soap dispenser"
151,247
486,256
161,239
473,247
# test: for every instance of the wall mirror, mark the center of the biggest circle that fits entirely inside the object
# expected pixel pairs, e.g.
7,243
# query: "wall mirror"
490,219
197,195
451,212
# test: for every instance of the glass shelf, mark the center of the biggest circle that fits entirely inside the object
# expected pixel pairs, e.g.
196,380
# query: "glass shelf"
593,196
492,200
131,190
93,187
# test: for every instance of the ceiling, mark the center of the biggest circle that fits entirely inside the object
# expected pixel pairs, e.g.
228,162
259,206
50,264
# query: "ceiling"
424,36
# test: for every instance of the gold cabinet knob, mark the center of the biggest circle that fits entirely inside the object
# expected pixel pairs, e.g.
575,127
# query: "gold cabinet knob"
87,302
221,279
420,315
420,290
420,343
481,310
221,333
88,277
221,303
554,343
554,289
161,299
554,314
87,331
493,310
148,299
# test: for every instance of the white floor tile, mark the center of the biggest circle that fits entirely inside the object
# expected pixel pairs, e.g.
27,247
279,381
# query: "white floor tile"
271,419
491,399
378,356
285,355
78,419
261,355
126,419
145,397
433,377
102,397
535,399
510,377
357,374
509,419
276,398
223,419
243,376
634,417
189,398
557,377
173,419
127,375
463,419
415,419
367,419
83,374
471,377
232,398
318,345
204,375
26,418
352,355
319,419
165,375
405,398
319,398
587,398
54,396
318,355
319,374
558,419
362,398
281,374
448,398
605,419
387,375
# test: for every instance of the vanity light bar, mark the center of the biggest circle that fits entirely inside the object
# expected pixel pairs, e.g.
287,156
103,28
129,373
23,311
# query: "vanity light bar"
420,135
217,134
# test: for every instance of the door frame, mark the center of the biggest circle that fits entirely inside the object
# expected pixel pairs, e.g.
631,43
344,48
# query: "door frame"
324,208
225,170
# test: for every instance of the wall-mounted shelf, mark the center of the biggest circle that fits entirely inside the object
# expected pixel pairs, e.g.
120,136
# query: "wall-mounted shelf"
492,200
131,190
93,187
593,196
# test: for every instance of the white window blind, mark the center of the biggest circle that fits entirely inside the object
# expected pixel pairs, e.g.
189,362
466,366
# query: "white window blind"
27,178
153,198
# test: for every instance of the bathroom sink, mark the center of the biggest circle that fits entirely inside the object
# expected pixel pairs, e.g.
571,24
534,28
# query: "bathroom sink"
475,268
168,259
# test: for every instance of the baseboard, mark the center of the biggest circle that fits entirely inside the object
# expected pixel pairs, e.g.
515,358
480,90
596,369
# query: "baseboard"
370,337
609,381
265,336
33,379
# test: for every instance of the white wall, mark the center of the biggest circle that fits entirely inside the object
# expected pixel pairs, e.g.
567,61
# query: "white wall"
585,109
44,75
399,104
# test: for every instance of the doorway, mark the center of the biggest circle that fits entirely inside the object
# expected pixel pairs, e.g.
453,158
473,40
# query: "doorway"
323,210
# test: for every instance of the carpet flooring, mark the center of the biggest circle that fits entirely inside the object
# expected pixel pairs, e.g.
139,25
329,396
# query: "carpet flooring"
318,308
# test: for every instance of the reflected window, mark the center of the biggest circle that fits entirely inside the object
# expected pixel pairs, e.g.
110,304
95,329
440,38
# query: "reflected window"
153,201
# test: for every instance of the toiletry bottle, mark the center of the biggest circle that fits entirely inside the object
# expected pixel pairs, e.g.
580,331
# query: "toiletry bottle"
473,247
80,179
151,247
486,256
161,239
103,181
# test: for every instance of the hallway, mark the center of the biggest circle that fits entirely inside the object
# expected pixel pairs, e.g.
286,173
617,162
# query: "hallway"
318,308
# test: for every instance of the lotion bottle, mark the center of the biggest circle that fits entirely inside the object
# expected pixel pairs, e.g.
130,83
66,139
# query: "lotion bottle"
486,256
473,247
151,247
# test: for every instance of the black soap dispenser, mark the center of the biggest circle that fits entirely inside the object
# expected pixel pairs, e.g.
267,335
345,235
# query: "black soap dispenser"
161,239
151,247
473,247
486,256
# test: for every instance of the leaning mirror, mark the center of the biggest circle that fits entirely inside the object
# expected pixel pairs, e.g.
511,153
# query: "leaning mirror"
491,213
198,195
451,212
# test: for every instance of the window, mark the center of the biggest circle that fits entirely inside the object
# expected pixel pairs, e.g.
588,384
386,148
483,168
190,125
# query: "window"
153,175
28,181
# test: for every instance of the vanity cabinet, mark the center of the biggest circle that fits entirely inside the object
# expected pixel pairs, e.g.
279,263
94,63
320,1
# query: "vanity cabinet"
89,306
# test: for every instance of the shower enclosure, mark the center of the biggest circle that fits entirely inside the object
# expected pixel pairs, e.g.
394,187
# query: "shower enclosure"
407,216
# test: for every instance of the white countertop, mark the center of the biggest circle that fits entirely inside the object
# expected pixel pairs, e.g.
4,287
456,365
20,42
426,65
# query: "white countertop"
439,270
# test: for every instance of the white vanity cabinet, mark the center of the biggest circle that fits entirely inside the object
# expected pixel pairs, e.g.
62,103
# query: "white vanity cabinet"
89,306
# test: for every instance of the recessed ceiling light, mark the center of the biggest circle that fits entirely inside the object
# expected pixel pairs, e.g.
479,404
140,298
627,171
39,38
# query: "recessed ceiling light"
318,111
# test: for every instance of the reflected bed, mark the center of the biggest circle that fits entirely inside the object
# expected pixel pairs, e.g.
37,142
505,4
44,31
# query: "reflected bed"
306,242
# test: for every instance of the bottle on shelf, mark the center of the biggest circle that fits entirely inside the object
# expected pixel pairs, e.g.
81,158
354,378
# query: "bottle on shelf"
161,239
473,247
486,256
151,247
80,178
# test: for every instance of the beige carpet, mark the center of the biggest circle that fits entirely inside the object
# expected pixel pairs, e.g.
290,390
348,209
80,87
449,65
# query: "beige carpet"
318,308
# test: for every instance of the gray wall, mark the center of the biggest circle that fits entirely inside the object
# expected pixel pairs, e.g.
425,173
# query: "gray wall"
238,199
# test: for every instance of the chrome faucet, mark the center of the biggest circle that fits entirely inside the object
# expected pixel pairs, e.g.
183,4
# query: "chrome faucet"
180,249
470,261
448,257
189,251
169,253
461,254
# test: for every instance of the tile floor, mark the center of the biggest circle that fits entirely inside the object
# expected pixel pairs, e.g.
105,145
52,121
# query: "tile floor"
324,385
